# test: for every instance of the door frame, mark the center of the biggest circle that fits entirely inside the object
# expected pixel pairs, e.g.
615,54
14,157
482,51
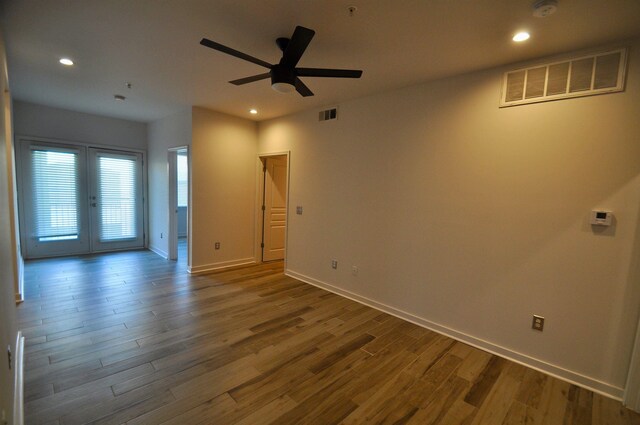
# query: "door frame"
631,394
22,140
172,234
260,200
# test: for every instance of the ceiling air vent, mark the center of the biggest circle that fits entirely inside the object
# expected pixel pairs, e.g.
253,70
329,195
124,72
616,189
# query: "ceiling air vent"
583,76
328,114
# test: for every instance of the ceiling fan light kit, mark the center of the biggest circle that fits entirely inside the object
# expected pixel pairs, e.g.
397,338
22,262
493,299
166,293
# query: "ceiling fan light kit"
283,87
285,77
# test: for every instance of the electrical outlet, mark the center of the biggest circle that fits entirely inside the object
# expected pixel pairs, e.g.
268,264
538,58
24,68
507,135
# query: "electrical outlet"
334,264
217,245
354,270
299,210
537,323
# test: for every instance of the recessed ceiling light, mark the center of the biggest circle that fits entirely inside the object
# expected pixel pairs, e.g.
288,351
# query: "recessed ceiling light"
521,36
66,61
253,111
119,97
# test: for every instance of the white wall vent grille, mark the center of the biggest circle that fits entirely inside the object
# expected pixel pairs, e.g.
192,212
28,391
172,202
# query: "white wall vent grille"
328,114
583,76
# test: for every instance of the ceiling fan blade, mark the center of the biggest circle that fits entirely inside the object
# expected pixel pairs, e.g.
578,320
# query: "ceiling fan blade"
297,45
228,50
331,73
246,80
302,88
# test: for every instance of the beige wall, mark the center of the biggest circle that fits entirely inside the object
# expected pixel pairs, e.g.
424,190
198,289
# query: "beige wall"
469,218
54,123
223,188
9,257
172,131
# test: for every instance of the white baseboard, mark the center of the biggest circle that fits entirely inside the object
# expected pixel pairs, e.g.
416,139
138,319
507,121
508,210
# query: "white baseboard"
159,251
18,398
221,265
523,359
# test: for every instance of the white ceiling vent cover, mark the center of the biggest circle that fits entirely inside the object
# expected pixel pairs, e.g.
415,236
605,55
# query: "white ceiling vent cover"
328,114
583,76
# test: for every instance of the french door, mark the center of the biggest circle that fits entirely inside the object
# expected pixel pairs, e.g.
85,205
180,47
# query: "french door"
115,182
78,200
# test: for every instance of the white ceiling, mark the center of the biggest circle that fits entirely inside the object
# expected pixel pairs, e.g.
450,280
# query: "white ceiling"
154,45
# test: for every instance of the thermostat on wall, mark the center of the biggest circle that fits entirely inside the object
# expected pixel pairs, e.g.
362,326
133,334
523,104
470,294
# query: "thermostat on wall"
601,218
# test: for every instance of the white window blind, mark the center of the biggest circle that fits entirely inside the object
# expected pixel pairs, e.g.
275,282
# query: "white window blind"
55,191
183,181
117,182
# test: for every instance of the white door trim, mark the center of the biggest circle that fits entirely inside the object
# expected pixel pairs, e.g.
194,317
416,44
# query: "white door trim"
172,211
259,199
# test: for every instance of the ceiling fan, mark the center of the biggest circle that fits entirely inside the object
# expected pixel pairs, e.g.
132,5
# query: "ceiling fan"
285,77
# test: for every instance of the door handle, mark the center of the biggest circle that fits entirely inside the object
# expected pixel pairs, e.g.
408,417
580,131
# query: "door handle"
93,204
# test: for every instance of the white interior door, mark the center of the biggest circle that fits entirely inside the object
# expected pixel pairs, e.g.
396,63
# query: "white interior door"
275,208
54,200
115,200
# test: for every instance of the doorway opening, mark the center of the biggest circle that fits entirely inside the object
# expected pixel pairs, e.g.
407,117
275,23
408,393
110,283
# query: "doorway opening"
179,204
273,209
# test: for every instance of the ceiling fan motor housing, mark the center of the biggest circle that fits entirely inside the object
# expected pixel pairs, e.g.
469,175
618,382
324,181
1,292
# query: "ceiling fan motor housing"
282,74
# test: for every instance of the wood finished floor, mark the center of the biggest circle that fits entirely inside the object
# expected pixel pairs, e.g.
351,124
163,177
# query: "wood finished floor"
132,338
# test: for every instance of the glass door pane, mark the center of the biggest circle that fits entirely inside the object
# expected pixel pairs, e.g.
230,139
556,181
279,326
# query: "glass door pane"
116,200
55,187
